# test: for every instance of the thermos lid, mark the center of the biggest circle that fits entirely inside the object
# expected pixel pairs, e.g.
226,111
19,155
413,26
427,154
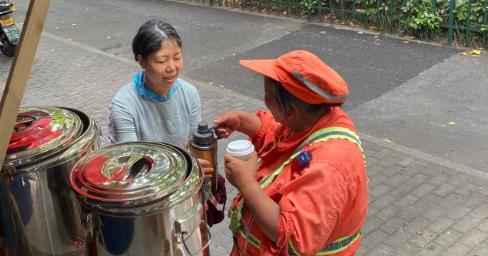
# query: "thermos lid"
240,148
203,135
130,175
40,132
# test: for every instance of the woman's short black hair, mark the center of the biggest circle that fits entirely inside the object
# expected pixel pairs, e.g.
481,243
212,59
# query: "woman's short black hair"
286,99
150,36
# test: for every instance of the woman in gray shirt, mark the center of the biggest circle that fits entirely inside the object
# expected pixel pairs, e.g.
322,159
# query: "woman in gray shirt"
156,105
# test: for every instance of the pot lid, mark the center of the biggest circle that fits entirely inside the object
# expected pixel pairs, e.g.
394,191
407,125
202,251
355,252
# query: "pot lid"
40,132
130,174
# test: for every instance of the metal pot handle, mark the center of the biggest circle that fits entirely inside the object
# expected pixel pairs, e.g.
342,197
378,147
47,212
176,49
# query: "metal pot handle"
105,139
203,247
186,225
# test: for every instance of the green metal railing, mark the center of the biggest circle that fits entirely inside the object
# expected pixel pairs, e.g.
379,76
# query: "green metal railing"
462,21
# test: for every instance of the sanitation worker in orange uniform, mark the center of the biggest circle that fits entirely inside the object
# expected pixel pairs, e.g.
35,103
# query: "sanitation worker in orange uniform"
305,190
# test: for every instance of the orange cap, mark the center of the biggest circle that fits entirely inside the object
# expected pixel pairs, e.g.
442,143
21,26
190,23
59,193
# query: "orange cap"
304,75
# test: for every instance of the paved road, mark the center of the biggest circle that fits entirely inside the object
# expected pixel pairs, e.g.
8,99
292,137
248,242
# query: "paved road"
443,111
214,39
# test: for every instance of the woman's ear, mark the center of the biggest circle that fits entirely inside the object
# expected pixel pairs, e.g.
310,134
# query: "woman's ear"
140,60
291,111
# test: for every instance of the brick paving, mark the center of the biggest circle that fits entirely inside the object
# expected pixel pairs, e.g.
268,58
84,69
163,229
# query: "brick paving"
418,205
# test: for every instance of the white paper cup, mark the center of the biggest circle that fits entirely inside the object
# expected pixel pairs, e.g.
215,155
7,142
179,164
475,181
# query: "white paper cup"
241,149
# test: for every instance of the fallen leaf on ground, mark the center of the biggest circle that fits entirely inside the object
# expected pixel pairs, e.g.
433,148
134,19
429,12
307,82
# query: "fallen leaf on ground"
475,52
360,32
387,140
451,123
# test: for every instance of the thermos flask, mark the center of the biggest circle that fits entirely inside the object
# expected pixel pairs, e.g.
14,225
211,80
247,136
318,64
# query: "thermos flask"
204,146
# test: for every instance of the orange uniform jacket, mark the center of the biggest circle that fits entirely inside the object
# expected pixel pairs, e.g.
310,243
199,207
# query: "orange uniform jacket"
321,202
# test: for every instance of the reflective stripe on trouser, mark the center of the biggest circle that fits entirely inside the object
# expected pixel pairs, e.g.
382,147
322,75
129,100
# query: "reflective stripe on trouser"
318,136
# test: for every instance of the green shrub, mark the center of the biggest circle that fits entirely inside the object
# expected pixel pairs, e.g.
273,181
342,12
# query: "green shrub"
310,6
422,18
421,15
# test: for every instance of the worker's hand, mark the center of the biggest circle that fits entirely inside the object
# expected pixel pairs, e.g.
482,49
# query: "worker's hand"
241,173
226,123
206,167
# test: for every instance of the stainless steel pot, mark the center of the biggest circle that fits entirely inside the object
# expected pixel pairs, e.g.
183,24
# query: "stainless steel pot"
38,210
144,199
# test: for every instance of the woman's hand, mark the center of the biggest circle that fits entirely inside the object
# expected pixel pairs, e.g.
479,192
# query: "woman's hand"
226,123
241,173
207,167
236,120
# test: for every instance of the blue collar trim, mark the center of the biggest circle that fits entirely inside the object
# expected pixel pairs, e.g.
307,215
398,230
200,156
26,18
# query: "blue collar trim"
144,92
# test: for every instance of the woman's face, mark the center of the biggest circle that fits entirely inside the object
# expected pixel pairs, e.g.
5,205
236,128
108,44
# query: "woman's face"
273,105
163,66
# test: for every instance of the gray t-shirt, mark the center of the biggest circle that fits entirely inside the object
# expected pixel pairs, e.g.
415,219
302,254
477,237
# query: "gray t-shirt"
134,118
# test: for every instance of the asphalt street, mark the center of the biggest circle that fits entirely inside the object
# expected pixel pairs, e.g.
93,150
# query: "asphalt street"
215,39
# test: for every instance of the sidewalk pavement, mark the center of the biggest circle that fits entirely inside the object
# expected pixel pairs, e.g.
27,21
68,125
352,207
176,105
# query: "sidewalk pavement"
419,204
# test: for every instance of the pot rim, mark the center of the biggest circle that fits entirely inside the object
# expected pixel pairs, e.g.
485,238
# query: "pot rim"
48,131
106,193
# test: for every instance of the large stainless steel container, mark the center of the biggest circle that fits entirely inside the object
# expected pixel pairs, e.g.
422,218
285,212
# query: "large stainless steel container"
38,210
144,199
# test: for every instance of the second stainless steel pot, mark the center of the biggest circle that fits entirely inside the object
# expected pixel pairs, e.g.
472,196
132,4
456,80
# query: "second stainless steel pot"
144,199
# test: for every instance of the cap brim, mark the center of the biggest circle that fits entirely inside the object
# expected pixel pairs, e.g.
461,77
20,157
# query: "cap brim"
263,67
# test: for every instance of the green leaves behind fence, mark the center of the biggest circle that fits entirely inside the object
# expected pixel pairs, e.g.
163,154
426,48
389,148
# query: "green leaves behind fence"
421,18
421,15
